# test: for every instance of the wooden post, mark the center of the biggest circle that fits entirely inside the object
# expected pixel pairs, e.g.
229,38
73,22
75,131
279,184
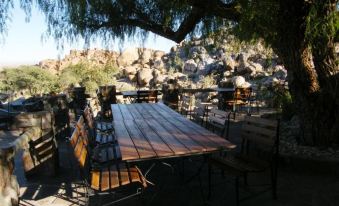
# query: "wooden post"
12,141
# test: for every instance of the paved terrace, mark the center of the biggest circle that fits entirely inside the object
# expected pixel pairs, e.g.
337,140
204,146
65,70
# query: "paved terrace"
299,183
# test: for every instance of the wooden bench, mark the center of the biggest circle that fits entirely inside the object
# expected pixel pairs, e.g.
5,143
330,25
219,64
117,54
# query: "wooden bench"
107,173
259,151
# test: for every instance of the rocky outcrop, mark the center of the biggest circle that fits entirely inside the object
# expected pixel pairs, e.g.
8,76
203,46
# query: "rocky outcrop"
190,60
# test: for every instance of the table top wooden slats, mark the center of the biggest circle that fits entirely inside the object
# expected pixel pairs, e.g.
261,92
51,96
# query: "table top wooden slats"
152,130
172,142
126,145
135,113
117,113
141,143
211,136
126,114
158,144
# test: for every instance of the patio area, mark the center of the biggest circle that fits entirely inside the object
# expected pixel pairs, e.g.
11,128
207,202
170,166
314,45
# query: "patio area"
299,183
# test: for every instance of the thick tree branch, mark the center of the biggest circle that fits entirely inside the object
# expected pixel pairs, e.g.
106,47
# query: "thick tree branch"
217,8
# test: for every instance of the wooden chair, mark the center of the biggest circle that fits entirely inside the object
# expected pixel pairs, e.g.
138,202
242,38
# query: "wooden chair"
147,96
170,97
219,120
200,112
259,152
186,106
241,97
99,132
107,96
113,177
42,151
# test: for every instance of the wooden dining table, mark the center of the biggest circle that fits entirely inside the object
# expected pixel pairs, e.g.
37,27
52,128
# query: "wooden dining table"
147,131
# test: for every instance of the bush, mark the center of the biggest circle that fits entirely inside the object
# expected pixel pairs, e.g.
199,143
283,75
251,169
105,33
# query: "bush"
88,75
31,78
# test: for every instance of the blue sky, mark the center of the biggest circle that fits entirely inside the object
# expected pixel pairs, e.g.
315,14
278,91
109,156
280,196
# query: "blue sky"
23,43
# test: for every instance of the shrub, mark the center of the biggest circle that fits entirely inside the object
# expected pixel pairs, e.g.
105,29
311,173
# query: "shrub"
31,78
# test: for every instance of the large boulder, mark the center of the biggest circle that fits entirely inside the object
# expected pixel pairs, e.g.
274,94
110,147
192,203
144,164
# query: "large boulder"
240,82
205,65
197,51
144,76
255,68
130,70
158,54
229,63
158,63
128,57
145,55
190,66
280,72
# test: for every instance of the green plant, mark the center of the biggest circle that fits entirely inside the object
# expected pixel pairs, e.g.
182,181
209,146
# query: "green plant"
209,81
31,78
88,75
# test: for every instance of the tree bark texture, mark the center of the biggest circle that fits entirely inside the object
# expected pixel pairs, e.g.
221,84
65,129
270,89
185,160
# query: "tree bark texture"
312,76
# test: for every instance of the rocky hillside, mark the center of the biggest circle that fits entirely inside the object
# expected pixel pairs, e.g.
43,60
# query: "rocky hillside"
198,63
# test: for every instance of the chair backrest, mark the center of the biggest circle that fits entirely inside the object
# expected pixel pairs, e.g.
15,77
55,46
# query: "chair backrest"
263,133
88,117
79,142
186,103
107,94
43,148
170,97
242,94
220,119
147,96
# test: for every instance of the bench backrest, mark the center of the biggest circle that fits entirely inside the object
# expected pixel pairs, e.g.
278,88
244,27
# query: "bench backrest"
263,133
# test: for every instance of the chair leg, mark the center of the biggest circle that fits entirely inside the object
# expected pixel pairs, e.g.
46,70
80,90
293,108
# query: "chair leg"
245,179
274,182
237,190
209,180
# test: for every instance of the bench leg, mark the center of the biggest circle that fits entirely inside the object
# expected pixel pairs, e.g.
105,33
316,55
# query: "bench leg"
237,190
274,182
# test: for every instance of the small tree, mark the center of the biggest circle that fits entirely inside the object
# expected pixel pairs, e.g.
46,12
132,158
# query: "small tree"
31,78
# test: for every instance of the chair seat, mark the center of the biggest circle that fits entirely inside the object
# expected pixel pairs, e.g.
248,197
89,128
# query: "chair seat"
104,138
116,176
104,126
241,164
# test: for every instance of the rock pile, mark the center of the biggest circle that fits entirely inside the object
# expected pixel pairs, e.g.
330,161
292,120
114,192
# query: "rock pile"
187,63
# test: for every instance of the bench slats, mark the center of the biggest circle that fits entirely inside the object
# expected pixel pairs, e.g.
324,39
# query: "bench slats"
95,180
114,177
104,183
124,176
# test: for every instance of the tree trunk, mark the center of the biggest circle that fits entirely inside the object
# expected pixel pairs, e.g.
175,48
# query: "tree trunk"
312,76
